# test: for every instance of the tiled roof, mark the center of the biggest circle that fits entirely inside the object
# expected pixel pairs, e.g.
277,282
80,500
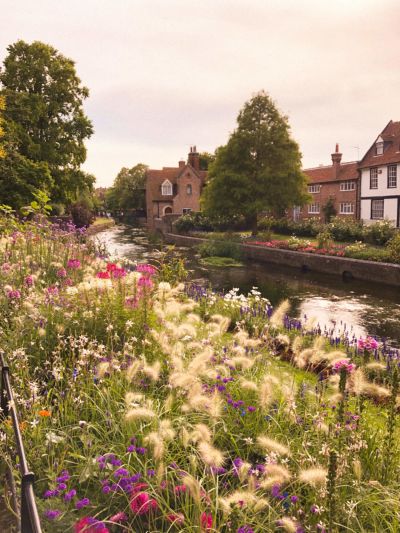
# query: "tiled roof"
324,174
391,152
155,178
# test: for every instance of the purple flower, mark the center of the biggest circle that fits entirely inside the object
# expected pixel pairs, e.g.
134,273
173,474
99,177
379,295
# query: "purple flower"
245,529
61,486
50,494
251,409
294,499
82,503
106,489
52,514
64,477
131,448
151,472
69,495
120,472
141,451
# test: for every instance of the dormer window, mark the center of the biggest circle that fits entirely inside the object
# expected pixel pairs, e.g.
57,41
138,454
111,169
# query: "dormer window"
166,188
379,146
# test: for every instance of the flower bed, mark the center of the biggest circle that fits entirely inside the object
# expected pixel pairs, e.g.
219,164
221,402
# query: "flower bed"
152,407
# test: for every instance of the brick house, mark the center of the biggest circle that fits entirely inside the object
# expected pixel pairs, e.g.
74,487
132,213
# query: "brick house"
380,186
339,182
174,190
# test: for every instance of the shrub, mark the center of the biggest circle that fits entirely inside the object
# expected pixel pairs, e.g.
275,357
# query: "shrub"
226,248
346,229
393,247
324,238
81,214
360,250
379,232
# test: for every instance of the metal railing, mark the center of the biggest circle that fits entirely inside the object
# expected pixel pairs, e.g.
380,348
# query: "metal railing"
29,521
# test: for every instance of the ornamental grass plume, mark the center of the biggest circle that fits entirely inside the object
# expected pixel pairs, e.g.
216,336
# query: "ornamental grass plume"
316,477
152,371
155,441
103,368
248,385
133,369
201,432
132,398
210,455
242,362
139,413
272,445
242,499
279,314
287,524
193,487
274,474
297,344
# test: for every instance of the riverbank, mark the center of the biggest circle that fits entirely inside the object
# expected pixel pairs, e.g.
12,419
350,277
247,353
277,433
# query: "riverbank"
99,225
346,268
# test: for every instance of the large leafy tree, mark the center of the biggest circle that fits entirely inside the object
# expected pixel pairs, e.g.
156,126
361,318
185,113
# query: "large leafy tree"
45,122
128,190
259,169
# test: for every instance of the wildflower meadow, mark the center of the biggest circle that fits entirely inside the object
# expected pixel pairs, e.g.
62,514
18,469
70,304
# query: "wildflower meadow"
149,404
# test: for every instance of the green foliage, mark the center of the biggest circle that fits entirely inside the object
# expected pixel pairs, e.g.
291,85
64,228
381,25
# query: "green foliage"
259,169
205,160
39,206
329,210
346,229
220,248
379,232
360,250
171,269
393,247
128,190
324,238
45,125
220,262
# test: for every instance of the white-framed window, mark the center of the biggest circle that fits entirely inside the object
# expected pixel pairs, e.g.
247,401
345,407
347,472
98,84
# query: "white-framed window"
373,178
296,212
392,176
348,186
314,188
379,148
186,210
189,189
346,208
377,209
313,209
166,188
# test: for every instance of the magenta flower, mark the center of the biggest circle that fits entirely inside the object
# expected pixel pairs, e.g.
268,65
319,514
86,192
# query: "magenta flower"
369,343
88,524
74,264
145,282
52,514
61,273
119,517
345,365
175,518
142,503
29,280
150,270
14,294
206,521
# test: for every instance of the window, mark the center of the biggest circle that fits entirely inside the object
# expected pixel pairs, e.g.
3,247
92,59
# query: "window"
348,186
377,208
379,148
166,188
314,188
296,213
346,208
392,176
188,189
186,210
313,209
373,178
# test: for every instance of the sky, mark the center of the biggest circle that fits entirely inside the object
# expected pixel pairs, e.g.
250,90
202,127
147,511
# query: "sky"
165,75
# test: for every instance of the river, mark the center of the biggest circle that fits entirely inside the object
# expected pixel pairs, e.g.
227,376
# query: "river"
356,306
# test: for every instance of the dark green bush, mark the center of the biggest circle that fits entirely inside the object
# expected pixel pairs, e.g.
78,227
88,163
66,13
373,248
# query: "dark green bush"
346,229
225,248
393,247
360,251
82,214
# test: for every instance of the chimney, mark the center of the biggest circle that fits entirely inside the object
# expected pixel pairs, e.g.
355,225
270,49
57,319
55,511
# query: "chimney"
336,158
182,163
193,158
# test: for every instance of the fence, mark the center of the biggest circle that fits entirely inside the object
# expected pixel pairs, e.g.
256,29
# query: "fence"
28,515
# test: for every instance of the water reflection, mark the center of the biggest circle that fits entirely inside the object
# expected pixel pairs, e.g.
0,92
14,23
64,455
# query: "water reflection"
359,307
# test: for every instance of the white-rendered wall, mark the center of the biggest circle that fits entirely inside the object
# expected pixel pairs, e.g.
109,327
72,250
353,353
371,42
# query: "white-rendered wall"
382,189
366,210
389,210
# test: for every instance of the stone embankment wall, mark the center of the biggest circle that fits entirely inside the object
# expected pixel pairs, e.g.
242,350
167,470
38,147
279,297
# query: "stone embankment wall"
346,268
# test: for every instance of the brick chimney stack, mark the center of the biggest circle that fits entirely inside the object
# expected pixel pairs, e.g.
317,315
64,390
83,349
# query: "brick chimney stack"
336,159
194,158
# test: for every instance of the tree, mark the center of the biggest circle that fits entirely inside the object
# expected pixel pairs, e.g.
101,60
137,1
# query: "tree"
259,169
45,121
205,160
128,190
329,209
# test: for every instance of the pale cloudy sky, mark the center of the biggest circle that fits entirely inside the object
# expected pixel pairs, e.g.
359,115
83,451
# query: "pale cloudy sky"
166,74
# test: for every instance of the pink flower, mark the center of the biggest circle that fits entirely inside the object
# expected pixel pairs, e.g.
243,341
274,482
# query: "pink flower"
145,282
29,280
146,269
141,503
88,524
73,264
13,294
139,487
131,302
118,273
61,273
103,275
206,521
369,343
111,267
119,517
344,364
176,518
179,488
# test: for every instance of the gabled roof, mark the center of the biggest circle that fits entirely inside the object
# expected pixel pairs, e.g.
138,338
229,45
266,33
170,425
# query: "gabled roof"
325,174
154,179
391,147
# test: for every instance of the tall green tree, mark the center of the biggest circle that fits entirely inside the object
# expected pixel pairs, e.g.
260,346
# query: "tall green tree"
45,120
128,190
259,169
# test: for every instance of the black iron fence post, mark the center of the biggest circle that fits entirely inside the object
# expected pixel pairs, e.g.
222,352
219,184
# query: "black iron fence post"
29,516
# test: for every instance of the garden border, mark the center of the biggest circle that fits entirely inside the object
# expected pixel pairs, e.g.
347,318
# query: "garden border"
345,267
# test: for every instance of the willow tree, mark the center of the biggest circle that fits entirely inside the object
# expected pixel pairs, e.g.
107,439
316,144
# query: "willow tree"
259,169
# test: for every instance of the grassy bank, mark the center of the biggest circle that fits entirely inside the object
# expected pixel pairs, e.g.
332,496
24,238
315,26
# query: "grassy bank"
148,405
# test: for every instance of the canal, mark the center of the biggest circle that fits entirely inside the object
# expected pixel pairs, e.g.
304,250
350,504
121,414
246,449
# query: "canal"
355,306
